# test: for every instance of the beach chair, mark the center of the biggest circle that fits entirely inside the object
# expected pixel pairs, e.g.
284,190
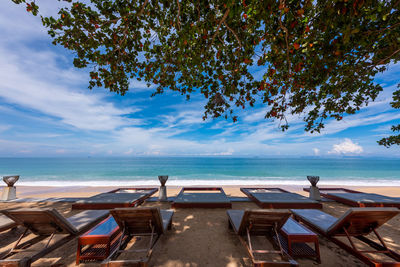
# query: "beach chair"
277,198
46,223
202,197
354,225
358,199
248,223
118,198
136,223
6,223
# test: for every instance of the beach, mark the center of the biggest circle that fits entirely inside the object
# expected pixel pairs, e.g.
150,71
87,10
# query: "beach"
199,237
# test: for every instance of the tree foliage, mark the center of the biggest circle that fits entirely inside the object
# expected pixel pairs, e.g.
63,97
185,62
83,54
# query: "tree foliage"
317,58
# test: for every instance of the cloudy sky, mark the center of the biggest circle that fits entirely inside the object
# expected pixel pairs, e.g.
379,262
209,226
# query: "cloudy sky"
46,109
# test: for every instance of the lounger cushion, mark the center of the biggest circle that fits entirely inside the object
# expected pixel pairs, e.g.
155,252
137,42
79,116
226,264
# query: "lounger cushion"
84,219
358,221
6,223
282,198
366,197
319,219
202,198
113,198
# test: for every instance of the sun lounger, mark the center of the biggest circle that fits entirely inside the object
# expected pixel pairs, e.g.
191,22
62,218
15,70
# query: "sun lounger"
356,223
118,198
200,198
277,198
358,199
248,223
46,223
137,222
6,223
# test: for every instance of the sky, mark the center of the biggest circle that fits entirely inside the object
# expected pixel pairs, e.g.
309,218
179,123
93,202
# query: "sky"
47,110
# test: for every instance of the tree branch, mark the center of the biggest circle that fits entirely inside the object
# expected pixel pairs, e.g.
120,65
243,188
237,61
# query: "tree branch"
143,6
286,37
386,58
234,33
384,29
219,25
179,14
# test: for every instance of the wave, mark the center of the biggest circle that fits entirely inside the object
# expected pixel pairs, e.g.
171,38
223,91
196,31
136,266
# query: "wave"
215,182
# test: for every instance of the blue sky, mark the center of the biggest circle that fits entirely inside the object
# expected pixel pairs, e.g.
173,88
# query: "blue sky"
47,110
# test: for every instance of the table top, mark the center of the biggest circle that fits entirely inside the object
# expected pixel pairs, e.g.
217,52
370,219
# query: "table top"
105,228
291,227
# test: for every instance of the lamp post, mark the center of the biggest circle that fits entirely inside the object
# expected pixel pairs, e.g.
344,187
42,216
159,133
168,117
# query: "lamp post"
314,191
163,189
10,192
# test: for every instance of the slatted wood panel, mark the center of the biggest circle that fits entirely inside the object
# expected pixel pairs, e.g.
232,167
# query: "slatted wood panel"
137,220
298,249
262,221
362,221
99,251
41,221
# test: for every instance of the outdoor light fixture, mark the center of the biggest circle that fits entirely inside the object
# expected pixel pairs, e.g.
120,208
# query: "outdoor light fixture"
314,191
163,189
10,192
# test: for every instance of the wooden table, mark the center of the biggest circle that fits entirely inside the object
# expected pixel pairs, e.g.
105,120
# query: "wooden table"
295,236
98,242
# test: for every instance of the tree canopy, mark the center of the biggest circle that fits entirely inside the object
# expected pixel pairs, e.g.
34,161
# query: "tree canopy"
317,58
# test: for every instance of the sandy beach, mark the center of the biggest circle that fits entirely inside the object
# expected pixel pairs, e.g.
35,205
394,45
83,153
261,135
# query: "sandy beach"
199,237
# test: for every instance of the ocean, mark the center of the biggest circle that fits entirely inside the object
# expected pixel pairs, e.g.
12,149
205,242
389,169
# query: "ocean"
184,171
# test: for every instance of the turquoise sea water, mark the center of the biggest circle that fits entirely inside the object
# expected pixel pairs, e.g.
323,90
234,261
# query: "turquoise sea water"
200,171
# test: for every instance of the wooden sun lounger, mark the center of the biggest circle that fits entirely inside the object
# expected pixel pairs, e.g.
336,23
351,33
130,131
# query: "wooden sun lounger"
202,200
247,223
358,199
355,223
277,198
136,222
6,223
46,223
118,198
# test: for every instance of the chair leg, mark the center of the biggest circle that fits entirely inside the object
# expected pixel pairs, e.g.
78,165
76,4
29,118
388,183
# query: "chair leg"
277,238
15,245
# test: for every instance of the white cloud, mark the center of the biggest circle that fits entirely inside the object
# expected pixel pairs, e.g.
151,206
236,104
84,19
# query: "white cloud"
361,119
129,152
4,128
140,86
229,152
316,151
25,151
183,118
81,109
346,147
